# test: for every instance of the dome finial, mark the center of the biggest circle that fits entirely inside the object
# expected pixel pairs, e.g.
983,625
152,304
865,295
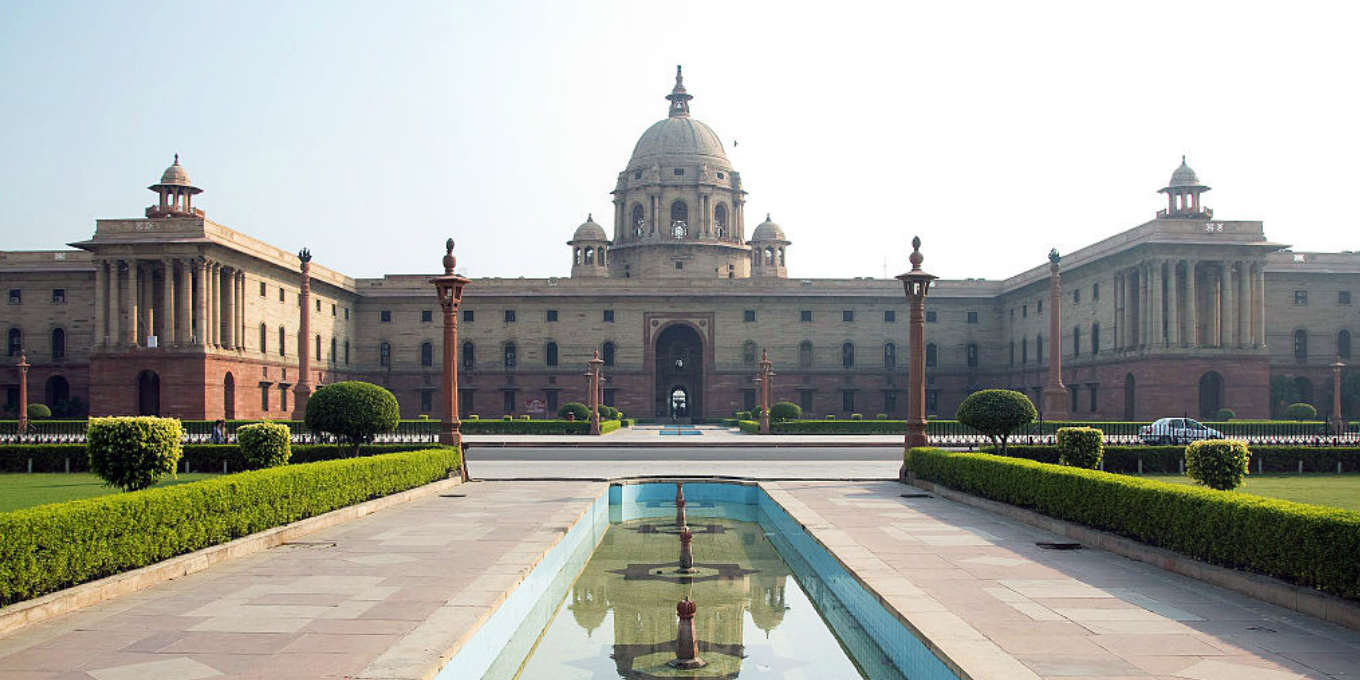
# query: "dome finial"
590,217
678,97
176,160
767,217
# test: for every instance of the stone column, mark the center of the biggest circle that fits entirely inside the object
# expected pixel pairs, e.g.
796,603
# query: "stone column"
23,392
113,306
917,285
229,308
241,310
1055,394
1229,305
215,304
1261,304
1191,338
593,385
1221,306
183,301
166,337
1116,327
449,289
130,333
1242,310
101,302
146,298
302,390
1155,301
1173,305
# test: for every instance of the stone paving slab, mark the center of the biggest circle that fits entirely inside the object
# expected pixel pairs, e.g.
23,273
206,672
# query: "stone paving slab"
324,607
981,591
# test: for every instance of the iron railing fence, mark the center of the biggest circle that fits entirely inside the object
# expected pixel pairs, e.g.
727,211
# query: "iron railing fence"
200,432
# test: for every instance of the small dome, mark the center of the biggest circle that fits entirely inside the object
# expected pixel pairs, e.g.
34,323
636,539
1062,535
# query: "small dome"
589,231
176,174
768,231
1184,176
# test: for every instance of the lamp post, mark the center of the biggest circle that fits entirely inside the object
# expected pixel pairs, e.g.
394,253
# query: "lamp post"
1055,397
23,392
765,382
593,381
449,288
917,285
1338,420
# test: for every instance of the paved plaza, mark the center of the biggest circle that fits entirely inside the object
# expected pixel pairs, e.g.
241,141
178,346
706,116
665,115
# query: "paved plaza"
390,595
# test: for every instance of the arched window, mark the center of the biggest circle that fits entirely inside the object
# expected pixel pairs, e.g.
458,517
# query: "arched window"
59,343
781,256
805,354
385,354
848,355
720,220
426,354
769,255
264,338
1343,344
932,357
333,355
16,341
639,219
590,255
748,353
1301,345
972,355
577,257
1095,339
1076,341
510,358
599,256
890,355
469,355
283,345
679,219
550,354
607,353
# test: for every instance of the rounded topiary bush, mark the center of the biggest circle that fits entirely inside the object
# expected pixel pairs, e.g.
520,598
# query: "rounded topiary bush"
609,412
880,416
38,411
473,416
1217,463
354,411
996,414
507,417
264,445
856,416
830,416
1081,447
133,453
1224,414
576,410
785,410
1300,411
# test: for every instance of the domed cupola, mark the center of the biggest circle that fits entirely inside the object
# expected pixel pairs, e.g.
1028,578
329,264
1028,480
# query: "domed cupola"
1182,195
767,250
176,194
588,246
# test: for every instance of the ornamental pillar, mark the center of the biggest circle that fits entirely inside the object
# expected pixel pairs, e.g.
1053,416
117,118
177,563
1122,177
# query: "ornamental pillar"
166,337
917,285
1173,311
449,289
23,391
1191,304
200,267
130,332
1055,395
302,390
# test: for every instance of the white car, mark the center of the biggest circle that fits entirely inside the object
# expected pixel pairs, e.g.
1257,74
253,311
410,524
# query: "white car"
1176,431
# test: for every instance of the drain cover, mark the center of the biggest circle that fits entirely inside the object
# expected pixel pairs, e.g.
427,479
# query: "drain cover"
306,545
453,495
916,495
1058,546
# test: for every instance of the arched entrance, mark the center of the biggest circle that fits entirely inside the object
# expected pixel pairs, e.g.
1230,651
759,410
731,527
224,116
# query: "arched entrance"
229,397
679,372
1130,413
1210,395
57,393
148,393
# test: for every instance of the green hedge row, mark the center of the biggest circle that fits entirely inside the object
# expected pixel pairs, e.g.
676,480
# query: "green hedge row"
49,547
200,457
1307,545
839,427
1168,458
555,426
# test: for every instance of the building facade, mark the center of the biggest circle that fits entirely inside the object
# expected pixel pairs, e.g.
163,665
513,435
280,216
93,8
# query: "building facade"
172,313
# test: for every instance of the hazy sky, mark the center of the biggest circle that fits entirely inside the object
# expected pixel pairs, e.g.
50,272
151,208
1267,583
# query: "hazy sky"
372,131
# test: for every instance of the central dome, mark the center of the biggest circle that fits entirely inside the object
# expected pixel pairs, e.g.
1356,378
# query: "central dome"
686,138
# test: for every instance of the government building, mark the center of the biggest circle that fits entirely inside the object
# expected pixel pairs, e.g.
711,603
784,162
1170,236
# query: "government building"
174,314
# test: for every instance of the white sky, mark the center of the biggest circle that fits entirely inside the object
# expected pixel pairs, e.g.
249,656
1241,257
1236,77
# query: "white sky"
372,131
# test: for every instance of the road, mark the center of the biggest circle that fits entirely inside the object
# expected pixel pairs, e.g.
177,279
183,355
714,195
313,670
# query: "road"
755,463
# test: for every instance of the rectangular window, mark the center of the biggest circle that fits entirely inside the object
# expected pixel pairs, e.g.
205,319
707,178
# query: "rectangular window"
281,293
508,401
848,400
972,317
385,316
466,405
848,316
804,400
679,265
1095,398
748,399
1024,311
426,316
263,292
58,296
609,316
1300,297
972,356
347,313
889,316
932,402
332,310
16,296
264,397
1074,398
890,402
748,315
805,316
283,397
1343,297
552,315
1095,292
550,402
509,316
426,401
1076,295
1039,307
469,315
318,304
931,316
609,397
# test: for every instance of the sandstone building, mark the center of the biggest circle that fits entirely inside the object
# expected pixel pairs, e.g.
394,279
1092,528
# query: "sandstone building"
175,314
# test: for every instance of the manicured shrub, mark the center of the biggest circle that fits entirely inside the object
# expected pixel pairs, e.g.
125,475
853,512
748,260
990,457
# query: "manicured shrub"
352,410
880,416
1217,463
46,548
781,411
473,416
856,416
848,427
38,411
264,445
525,417
576,409
507,417
830,416
743,415
1224,414
1307,545
1300,411
133,453
996,413
1168,459
1081,447
608,412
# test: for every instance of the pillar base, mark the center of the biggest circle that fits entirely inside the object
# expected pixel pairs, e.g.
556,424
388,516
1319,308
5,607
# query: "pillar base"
686,664
1055,402
916,435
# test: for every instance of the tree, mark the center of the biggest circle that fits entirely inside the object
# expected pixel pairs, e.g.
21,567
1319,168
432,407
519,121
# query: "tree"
577,410
354,411
264,445
1217,463
134,453
781,411
1300,411
996,413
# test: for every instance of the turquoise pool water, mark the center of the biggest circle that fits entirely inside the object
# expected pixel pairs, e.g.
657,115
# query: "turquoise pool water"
771,602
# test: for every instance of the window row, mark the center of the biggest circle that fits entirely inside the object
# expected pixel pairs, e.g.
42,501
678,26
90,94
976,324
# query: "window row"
1343,345
679,226
509,316
335,354
16,296
56,343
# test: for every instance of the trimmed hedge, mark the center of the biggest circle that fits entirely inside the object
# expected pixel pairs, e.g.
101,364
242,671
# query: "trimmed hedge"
555,426
1307,545
199,457
50,547
1168,458
751,426
839,427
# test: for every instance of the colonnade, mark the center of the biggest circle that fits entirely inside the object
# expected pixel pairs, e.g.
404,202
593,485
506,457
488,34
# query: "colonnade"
182,302
1190,303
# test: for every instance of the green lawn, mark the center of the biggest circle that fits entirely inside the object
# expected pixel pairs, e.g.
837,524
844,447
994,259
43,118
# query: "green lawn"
1338,491
19,490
